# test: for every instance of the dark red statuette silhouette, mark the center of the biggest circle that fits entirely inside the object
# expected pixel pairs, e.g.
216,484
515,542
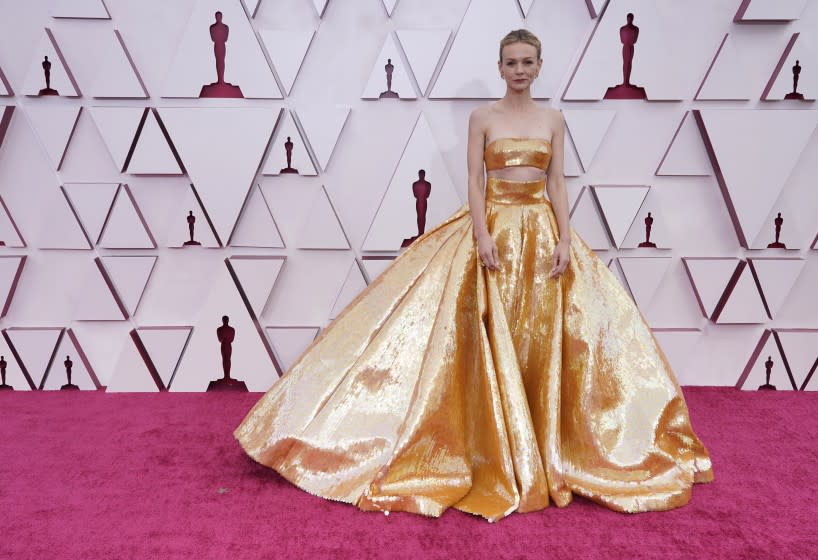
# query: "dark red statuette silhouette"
47,90
796,71
389,68
421,189
226,335
3,366
218,34
628,34
68,386
779,221
288,148
648,223
191,224
769,366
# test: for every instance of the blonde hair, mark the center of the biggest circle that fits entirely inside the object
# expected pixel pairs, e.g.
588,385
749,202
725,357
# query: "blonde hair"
521,36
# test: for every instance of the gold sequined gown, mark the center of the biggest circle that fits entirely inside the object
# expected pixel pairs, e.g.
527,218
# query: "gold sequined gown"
446,384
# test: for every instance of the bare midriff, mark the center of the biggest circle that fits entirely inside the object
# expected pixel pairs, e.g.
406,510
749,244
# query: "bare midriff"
518,173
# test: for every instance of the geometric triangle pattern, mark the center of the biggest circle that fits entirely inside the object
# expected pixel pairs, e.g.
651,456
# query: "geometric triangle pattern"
466,72
128,276
711,279
728,78
70,357
163,347
54,125
118,127
320,6
421,175
799,53
389,77
588,129
15,376
769,11
290,342
389,6
643,276
288,150
125,227
775,277
321,228
322,124
354,284
91,203
766,367
190,225
240,135
286,49
660,45
256,226
117,77
256,275
151,153
33,349
97,300
749,190
619,205
61,229
686,154
11,268
251,359
586,219
134,372
800,350
80,9
10,235
48,72
194,66
423,48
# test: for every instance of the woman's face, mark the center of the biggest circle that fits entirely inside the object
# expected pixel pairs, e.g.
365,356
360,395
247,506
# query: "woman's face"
519,66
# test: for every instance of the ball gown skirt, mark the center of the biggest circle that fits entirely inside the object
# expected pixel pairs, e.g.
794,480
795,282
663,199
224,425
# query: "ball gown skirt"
447,384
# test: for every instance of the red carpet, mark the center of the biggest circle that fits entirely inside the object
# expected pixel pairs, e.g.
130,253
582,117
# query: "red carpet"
94,475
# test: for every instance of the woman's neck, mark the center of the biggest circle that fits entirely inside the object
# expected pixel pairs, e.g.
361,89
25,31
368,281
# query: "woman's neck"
515,101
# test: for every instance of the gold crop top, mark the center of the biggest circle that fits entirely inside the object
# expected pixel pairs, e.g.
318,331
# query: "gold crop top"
515,151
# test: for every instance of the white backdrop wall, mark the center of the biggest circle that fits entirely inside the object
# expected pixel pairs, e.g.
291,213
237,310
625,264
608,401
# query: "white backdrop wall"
95,202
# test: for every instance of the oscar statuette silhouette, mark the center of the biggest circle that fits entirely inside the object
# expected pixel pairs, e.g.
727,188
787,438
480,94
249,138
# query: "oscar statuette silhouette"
68,386
796,71
226,335
47,71
769,366
3,365
648,224
191,224
288,149
218,34
628,34
388,68
779,221
421,189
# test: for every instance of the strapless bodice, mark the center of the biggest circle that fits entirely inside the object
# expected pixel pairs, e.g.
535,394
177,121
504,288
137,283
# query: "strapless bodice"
516,151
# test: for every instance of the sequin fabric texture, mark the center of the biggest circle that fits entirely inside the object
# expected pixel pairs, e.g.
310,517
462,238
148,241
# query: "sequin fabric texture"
446,384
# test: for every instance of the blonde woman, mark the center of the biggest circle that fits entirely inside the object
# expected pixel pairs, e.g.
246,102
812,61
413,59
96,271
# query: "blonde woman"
497,365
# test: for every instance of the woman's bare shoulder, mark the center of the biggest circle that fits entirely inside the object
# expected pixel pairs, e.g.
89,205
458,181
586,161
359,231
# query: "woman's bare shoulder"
480,118
552,114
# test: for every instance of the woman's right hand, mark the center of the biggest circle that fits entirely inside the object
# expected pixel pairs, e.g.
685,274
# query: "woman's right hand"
487,251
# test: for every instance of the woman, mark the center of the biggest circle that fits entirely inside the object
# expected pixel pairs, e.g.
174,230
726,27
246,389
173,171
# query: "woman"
497,364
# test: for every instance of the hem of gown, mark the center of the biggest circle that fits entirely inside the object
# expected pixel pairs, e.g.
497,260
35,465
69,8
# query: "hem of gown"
671,500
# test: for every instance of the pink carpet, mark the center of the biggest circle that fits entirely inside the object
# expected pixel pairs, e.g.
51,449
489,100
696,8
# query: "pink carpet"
94,475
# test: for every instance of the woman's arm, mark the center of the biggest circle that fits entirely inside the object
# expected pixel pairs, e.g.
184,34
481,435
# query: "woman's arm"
555,186
486,247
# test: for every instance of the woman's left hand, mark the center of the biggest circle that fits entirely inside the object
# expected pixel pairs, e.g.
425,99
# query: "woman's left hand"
560,259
